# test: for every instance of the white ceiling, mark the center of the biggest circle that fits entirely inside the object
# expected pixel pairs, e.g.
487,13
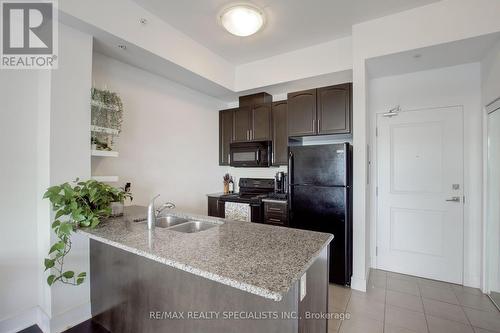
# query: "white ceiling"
291,24
443,55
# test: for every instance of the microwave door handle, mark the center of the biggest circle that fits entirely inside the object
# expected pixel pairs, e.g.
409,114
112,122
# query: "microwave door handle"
258,156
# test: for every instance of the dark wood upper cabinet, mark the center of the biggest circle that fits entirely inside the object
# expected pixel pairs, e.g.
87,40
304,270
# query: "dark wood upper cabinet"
334,109
242,122
261,122
225,135
302,113
280,133
254,99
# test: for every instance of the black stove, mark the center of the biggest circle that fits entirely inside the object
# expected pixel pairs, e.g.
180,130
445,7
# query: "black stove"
252,191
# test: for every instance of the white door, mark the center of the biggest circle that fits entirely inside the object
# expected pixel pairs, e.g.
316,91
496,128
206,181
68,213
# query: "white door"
420,193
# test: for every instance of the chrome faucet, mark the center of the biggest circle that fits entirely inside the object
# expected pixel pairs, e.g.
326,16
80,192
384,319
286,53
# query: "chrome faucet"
154,213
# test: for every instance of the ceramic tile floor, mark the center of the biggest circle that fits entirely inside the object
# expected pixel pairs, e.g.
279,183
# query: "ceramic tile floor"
396,303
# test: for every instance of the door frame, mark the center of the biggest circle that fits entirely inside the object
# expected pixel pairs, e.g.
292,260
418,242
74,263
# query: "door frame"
373,161
489,108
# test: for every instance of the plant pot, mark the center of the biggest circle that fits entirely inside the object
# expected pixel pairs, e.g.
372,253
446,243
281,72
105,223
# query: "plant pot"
226,188
117,208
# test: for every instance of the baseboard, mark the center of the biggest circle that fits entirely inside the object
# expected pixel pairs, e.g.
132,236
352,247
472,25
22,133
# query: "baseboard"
358,283
20,321
70,318
472,281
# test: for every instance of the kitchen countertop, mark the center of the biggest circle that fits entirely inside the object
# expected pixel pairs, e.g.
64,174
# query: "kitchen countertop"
215,195
261,259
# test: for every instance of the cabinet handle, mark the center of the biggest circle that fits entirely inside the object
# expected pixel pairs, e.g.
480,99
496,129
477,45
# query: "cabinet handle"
229,158
319,127
275,209
314,126
274,220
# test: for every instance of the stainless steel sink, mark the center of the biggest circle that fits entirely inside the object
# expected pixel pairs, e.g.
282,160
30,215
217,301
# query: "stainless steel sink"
193,226
169,221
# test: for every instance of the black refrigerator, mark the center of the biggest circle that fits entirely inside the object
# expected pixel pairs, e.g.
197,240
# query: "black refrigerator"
320,199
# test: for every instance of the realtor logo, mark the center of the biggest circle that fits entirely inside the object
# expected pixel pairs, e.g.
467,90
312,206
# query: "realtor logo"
29,34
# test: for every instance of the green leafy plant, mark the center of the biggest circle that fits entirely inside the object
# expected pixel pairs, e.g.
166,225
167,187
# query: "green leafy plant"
79,205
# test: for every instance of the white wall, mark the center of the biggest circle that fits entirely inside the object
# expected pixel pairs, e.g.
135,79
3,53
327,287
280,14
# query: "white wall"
169,142
450,86
18,238
330,57
45,140
445,21
70,158
490,82
490,75
121,19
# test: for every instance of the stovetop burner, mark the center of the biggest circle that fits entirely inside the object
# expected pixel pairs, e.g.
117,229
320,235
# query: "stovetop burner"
252,190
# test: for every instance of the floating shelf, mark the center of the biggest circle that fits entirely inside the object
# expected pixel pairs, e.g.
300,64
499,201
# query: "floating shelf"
102,105
106,179
104,153
100,129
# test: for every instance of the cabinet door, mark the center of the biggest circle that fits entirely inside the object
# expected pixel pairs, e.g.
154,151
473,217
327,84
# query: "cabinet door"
280,133
213,208
242,124
302,113
334,109
261,122
225,135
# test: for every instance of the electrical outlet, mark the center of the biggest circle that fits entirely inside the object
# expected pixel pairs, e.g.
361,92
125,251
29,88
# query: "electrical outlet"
303,282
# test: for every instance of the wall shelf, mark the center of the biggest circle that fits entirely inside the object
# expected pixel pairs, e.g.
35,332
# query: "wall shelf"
100,129
106,179
104,153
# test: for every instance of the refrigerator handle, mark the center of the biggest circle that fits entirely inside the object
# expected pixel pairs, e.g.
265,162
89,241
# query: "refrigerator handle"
290,189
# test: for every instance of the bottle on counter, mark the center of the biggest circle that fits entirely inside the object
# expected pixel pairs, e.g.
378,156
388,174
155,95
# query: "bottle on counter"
231,185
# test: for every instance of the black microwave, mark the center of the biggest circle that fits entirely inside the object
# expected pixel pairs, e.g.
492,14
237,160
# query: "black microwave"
250,154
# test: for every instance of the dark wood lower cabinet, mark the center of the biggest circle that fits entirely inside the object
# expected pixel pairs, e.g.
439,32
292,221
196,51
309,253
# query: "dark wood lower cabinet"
216,207
276,212
131,293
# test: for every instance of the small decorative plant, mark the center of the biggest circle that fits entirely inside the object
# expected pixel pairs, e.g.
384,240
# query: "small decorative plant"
81,205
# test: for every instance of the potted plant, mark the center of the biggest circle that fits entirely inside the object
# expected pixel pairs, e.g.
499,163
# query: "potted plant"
79,205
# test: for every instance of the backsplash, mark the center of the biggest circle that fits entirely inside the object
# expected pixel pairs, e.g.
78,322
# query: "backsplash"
238,173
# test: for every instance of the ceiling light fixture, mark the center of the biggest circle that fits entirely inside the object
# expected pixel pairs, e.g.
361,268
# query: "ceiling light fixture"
242,20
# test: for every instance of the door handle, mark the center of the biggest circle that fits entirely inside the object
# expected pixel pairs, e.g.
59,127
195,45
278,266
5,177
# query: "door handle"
453,199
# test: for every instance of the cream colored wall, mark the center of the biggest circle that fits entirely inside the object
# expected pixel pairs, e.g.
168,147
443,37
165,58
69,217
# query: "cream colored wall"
169,140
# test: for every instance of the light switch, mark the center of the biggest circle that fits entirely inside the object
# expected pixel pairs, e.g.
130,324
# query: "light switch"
303,282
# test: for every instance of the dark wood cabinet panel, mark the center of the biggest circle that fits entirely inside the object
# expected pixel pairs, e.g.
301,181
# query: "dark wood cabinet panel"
242,124
280,133
276,213
225,135
216,207
254,99
334,109
261,122
302,113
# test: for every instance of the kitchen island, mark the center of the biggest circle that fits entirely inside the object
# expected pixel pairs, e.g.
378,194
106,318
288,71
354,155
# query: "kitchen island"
233,277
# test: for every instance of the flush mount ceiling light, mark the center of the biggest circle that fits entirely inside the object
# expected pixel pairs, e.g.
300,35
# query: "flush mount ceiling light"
242,20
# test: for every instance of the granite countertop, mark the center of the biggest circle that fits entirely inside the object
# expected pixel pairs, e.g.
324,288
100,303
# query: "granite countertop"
215,195
260,259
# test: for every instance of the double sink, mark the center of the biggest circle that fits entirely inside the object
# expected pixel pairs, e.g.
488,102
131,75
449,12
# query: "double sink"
181,224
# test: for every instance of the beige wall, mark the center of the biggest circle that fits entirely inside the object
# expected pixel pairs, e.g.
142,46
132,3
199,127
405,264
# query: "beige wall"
169,140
